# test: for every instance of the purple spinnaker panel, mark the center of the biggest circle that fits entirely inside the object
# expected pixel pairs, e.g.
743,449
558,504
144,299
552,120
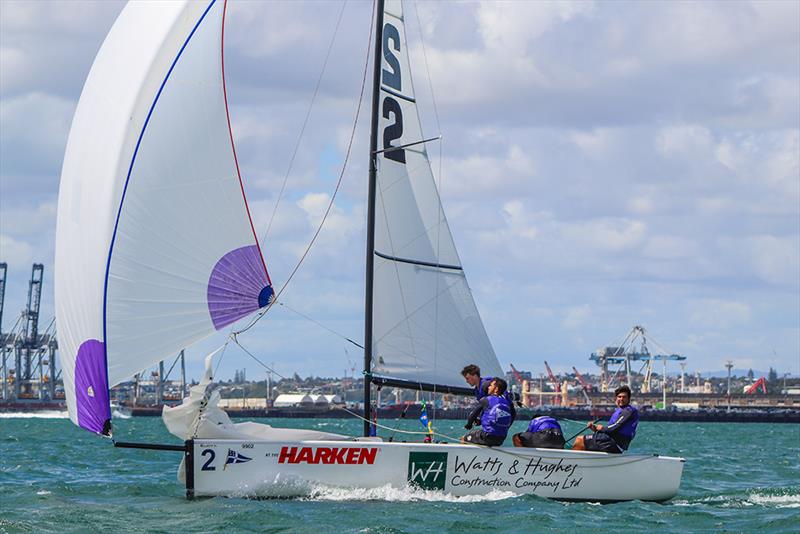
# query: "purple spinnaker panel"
238,286
91,386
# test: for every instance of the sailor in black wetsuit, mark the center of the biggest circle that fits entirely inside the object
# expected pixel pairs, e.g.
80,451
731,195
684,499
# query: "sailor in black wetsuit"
495,413
621,429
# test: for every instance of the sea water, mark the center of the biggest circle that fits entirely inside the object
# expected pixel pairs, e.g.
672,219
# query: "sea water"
57,478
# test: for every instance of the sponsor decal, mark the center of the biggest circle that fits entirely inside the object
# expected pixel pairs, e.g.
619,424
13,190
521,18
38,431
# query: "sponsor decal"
427,470
535,474
328,455
235,458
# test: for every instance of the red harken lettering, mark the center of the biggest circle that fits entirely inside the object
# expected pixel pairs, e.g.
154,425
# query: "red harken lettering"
328,455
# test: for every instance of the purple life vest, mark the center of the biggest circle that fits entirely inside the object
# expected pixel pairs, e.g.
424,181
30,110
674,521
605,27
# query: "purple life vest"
496,417
628,429
544,422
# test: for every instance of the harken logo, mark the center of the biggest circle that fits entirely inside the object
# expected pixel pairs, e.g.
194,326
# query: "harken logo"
328,455
235,458
427,470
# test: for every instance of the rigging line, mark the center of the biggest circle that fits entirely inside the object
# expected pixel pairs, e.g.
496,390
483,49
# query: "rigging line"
221,356
427,69
330,204
265,366
305,123
331,330
439,193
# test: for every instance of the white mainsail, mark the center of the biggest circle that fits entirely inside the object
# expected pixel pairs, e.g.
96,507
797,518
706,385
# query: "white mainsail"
426,326
155,248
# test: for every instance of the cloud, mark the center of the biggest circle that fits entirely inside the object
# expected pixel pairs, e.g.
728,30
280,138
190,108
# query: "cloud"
15,252
718,314
602,163
576,316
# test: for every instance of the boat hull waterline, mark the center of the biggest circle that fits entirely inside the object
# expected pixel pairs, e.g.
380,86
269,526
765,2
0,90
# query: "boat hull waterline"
294,469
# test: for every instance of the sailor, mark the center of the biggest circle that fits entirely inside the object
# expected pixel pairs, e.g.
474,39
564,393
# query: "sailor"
621,429
472,374
543,432
495,413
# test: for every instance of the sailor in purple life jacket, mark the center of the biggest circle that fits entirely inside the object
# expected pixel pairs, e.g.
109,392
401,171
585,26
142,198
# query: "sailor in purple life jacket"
543,432
472,375
621,429
495,413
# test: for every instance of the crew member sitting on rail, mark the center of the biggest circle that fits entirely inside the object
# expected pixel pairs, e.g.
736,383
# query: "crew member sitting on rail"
620,431
496,414
543,432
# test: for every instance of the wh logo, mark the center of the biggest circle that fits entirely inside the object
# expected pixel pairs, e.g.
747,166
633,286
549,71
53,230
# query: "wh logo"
427,470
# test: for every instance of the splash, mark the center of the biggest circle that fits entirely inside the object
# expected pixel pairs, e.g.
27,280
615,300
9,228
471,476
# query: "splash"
406,494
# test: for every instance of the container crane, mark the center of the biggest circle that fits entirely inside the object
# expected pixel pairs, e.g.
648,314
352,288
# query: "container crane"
29,341
3,338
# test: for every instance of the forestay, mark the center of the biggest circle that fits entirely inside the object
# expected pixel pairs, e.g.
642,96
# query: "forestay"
155,248
425,323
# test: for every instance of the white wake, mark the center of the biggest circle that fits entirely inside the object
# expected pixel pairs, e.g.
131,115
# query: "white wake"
44,414
406,494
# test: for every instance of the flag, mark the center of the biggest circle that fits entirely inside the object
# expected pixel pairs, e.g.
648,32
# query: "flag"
235,458
423,418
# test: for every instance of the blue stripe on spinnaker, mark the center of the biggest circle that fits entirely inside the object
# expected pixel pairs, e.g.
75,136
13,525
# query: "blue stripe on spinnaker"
128,177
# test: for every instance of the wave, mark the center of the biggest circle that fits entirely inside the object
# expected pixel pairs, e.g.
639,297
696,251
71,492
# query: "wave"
778,501
44,414
771,499
406,494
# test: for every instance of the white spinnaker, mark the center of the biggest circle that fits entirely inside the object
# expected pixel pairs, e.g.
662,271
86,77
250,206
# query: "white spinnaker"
426,326
150,155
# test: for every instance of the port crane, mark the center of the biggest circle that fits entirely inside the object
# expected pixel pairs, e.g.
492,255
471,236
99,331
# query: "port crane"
585,388
761,382
554,381
516,374
625,353
4,339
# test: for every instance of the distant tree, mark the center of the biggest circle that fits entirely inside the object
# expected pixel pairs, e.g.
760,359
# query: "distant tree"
772,381
750,374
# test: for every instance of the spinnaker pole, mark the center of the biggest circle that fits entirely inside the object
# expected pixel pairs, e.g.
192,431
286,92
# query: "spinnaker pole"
373,147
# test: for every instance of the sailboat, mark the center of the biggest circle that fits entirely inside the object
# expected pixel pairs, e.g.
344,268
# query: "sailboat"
156,250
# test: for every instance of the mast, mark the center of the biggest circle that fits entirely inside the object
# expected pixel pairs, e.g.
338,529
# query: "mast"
373,147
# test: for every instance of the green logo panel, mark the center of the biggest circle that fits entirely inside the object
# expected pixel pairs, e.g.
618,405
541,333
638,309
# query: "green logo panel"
427,470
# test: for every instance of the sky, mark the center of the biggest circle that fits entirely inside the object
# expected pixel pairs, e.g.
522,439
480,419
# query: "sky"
602,165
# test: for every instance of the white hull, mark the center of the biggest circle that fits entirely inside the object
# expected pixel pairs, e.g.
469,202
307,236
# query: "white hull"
288,469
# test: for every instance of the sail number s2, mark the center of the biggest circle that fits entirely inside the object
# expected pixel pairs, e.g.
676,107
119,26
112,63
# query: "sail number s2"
392,79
